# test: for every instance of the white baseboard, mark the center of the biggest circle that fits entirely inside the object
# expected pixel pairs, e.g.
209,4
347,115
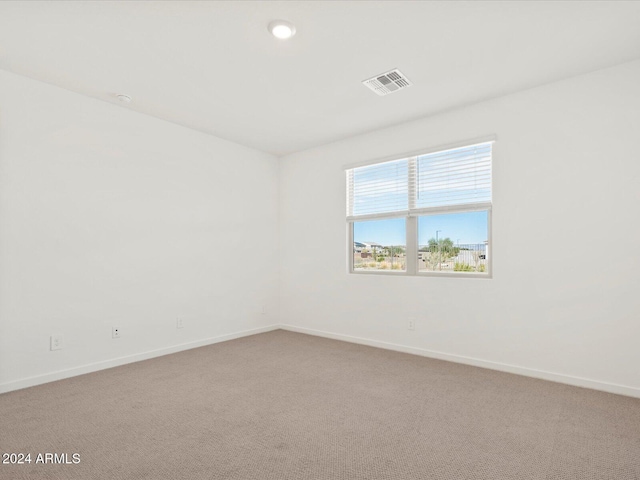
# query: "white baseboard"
503,367
476,362
94,367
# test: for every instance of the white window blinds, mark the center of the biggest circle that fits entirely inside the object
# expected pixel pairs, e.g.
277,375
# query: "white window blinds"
378,190
442,180
454,177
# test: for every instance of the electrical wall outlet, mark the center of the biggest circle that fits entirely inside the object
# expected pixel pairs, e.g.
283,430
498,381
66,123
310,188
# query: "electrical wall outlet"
411,324
56,342
179,323
115,332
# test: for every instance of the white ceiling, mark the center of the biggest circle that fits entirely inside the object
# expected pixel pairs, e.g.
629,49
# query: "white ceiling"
213,66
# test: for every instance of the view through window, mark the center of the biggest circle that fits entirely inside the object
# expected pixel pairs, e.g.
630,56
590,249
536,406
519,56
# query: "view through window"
380,245
455,242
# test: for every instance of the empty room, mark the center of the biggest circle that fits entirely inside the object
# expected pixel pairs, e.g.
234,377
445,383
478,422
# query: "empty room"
320,240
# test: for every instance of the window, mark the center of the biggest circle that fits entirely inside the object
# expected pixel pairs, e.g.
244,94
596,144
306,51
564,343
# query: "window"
425,214
461,249
380,245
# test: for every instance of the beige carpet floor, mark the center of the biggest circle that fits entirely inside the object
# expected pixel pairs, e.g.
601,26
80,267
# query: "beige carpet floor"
283,405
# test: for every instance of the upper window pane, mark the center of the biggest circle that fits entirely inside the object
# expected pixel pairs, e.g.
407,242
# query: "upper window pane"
379,188
454,177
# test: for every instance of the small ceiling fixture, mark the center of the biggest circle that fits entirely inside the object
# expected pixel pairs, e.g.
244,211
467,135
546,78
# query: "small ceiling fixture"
388,82
282,29
123,98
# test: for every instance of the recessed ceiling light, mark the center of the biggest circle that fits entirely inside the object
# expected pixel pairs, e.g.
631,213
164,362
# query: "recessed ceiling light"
282,29
123,98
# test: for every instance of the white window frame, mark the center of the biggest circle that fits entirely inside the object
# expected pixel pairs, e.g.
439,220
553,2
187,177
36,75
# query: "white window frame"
411,218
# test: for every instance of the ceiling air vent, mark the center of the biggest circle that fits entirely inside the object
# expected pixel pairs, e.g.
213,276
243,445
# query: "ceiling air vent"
388,82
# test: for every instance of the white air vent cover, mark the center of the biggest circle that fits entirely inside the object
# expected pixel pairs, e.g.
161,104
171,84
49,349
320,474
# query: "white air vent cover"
388,82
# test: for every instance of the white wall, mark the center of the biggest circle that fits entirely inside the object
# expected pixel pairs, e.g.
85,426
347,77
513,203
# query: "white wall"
109,217
564,301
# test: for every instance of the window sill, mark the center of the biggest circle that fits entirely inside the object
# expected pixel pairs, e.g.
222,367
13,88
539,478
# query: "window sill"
423,274
379,272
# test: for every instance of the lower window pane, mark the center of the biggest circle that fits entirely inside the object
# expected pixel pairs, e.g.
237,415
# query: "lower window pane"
379,245
455,242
